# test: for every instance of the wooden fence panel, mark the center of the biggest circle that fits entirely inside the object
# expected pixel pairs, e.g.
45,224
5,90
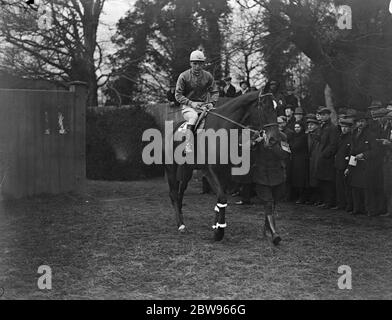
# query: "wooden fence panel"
42,134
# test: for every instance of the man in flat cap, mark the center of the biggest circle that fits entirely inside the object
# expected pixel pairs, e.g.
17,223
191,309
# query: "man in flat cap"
362,152
343,190
325,171
313,132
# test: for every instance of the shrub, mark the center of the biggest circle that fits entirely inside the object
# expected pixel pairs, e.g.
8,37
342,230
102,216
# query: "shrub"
114,144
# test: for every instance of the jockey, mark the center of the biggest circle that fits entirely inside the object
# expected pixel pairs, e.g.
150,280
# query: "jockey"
195,89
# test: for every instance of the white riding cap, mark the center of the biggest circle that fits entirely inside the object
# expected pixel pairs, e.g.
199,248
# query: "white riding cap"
197,55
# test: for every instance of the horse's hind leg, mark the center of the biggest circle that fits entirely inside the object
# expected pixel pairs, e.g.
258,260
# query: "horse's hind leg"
176,200
220,208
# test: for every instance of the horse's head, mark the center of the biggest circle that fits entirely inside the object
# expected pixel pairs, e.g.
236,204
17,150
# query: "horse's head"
264,117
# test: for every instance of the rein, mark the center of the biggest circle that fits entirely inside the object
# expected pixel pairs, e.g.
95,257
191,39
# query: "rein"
239,124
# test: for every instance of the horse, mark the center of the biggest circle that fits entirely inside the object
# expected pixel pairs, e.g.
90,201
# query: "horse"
254,111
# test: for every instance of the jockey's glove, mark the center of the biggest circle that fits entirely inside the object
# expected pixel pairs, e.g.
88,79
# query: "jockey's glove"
208,106
195,105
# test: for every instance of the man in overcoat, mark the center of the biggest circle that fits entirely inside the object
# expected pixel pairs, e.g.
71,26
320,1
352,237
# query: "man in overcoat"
343,190
362,152
313,134
325,171
268,174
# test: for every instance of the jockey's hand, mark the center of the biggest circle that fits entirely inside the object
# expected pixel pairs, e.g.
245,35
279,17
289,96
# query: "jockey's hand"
208,106
196,105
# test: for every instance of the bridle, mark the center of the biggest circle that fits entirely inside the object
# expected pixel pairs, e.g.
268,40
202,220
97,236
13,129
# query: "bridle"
258,133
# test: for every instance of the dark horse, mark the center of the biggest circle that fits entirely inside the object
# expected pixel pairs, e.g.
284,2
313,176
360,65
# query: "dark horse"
253,110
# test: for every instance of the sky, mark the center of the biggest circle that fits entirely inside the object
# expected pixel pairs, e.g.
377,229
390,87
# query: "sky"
113,10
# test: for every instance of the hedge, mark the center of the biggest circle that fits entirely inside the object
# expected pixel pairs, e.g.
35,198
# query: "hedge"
114,144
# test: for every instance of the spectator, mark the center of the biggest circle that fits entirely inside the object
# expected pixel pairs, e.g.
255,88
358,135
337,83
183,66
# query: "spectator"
221,86
343,190
299,172
290,97
325,171
282,123
229,89
289,113
376,175
299,114
244,85
314,154
361,153
306,101
273,87
387,145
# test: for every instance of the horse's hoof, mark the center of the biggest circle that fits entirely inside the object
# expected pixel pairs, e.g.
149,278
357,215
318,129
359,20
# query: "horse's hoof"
182,229
276,239
218,234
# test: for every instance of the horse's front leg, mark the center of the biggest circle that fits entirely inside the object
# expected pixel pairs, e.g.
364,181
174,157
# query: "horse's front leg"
174,186
220,208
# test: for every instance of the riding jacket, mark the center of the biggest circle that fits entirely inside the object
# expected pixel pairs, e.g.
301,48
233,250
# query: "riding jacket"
201,88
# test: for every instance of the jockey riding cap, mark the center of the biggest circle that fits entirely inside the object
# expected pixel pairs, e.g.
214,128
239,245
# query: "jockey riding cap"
197,55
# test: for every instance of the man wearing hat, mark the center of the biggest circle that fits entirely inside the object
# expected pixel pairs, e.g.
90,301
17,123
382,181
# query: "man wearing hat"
343,190
290,97
362,153
229,89
244,85
313,132
386,143
195,88
299,114
376,111
325,171
273,86
289,113
282,123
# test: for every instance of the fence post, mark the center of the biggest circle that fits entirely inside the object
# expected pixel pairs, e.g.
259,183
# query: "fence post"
80,104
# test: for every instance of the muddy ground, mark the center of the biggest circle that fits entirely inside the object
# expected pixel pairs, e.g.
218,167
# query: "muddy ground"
118,240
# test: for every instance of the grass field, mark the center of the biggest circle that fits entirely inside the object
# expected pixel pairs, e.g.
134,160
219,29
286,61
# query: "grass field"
118,240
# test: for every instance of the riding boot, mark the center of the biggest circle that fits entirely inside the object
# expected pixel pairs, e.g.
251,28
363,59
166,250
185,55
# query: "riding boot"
189,144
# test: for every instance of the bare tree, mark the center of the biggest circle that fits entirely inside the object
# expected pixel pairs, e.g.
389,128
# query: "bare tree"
63,47
244,54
